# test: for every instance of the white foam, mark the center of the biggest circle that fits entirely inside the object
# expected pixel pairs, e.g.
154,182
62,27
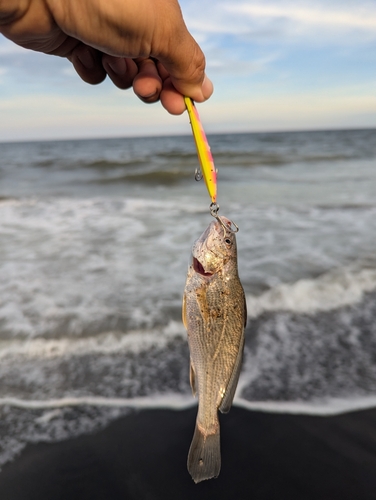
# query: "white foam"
76,267
338,288
324,407
172,401
106,343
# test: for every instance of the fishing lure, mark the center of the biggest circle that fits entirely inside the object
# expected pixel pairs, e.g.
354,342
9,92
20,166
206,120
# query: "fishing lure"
208,170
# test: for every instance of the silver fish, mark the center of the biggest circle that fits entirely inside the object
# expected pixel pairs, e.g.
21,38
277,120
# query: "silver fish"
214,314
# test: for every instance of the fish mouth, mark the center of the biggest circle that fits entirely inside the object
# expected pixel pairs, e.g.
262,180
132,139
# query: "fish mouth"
198,267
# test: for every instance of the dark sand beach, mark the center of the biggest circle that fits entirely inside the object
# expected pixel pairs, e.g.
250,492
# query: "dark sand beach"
264,456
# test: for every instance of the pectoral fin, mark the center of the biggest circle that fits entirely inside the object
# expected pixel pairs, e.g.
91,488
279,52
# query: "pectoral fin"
192,379
226,402
184,313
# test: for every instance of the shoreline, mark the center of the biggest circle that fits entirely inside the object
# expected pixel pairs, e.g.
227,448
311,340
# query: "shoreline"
143,455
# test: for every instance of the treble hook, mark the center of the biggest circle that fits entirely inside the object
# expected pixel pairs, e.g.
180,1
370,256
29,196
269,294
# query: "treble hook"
214,209
198,174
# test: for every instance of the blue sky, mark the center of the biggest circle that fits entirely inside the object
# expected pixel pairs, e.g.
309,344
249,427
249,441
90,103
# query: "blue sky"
275,64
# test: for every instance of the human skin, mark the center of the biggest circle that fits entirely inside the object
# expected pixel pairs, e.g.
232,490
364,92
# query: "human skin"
142,44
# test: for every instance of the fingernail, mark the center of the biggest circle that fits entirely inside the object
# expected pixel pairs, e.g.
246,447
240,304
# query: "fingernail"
207,88
152,94
86,59
118,66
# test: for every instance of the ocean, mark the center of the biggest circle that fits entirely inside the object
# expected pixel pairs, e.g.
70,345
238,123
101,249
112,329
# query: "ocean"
95,239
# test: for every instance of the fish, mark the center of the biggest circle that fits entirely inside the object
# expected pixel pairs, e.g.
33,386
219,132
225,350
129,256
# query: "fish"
214,314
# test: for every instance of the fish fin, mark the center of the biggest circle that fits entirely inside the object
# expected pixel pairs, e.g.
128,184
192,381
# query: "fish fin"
184,313
192,379
227,399
204,457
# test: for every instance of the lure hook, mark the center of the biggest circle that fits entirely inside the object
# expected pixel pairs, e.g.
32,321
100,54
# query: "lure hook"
214,209
198,174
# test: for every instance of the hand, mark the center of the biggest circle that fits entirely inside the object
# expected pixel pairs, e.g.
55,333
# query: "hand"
143,43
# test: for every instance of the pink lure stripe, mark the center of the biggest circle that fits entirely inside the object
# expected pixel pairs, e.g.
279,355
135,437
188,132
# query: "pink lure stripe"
203,150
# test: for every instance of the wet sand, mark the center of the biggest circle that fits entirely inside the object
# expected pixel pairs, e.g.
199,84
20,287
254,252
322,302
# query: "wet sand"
264,457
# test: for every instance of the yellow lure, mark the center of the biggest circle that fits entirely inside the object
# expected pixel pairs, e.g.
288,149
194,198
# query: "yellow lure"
203,150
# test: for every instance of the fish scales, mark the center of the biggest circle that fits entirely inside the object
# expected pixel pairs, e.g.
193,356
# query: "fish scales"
214,314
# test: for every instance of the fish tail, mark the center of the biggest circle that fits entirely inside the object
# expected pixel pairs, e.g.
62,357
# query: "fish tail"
204,457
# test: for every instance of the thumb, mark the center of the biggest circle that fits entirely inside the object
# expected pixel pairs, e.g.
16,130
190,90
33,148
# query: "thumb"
180,55
186,67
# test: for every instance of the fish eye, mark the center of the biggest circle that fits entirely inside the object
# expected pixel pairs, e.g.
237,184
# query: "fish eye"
228,241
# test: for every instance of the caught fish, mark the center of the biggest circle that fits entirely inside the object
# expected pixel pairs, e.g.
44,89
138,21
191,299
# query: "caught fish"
214,314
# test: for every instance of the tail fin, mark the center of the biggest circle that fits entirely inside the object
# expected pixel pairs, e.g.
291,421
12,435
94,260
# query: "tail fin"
204,457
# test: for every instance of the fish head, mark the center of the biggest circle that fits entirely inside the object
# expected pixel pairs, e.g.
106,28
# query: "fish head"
214,248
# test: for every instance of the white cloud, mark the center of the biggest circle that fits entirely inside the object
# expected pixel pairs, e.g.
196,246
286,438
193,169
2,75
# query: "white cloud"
318,15
221,62
283,19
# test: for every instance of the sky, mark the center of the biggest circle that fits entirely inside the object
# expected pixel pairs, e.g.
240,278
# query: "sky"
276,65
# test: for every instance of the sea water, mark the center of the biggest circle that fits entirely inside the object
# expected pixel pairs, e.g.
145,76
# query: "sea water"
95,239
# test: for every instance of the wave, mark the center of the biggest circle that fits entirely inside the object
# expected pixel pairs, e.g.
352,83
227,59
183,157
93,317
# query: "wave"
133,342
113,164
94,326
301,345
254,159
247,158
173,401
160,177
56,163
321,407
335,289
296,361
110,365
292,356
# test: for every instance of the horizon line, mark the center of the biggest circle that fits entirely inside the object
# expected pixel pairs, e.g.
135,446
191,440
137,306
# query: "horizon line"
209,134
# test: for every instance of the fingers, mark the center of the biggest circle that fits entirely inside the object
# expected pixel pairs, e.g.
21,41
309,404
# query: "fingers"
88,64
147,84
122,71
93,66
173,101
151,80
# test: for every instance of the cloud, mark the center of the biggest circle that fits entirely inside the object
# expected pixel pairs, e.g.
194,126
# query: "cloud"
223,63
355,17
311,21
